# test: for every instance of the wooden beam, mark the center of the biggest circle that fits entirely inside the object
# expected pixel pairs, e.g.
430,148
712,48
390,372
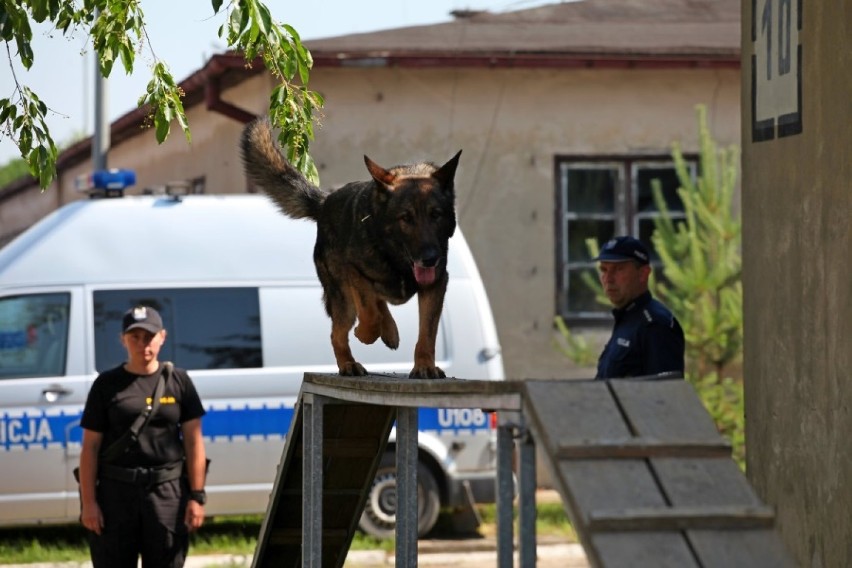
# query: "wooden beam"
637,448
681,518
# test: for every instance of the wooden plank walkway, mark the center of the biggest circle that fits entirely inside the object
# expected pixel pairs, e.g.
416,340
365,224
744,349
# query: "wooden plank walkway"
646,478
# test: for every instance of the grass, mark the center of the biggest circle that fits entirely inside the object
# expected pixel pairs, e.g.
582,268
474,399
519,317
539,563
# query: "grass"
230,535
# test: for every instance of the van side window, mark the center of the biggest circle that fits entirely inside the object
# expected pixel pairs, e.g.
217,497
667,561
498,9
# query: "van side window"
33,335
208,328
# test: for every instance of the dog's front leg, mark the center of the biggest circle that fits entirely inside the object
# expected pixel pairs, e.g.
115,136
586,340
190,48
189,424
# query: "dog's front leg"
342,313
346,363
430,303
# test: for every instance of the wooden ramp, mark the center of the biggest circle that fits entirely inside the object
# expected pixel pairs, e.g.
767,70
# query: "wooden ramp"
642,471
355,436
646,478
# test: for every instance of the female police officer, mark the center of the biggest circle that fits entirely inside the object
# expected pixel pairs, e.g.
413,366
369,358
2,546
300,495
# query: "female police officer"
139,503
646,339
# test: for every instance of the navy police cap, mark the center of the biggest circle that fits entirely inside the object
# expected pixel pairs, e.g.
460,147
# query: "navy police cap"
620,249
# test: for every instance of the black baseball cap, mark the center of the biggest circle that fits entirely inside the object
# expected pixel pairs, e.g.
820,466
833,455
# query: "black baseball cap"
621,249
142,317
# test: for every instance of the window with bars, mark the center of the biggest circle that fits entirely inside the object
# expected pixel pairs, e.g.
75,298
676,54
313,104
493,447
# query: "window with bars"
600,198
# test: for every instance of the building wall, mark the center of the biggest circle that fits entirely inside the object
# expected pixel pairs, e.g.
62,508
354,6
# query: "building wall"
797,204
510,124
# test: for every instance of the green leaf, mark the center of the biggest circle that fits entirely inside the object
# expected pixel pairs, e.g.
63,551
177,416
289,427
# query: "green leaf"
25,51
162,127
127,57
217,4
265,20
39,10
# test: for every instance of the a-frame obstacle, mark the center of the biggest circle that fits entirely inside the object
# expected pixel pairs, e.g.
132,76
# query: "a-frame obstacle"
643,474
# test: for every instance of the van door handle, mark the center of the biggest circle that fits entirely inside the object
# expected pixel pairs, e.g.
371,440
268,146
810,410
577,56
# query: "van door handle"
53,392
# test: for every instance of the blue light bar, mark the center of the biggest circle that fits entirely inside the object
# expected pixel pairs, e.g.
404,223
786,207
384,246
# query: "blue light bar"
112,180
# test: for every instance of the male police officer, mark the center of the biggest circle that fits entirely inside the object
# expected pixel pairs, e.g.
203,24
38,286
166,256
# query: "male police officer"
646,338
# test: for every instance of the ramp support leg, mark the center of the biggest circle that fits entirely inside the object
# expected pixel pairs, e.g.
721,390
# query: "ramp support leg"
511,428
505,497
312,474
527,513
406,487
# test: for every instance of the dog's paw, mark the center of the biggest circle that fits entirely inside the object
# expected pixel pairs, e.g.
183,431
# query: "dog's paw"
424,372
353,369
390,335
367,334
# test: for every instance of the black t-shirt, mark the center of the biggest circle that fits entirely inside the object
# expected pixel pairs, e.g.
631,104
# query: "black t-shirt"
118,397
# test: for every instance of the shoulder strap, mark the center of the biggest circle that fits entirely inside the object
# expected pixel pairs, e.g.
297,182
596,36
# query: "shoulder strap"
119,446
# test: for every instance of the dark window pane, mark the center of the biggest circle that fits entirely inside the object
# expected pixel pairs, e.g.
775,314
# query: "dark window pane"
591,190
579,231
581,296
33,335
208,328
669,183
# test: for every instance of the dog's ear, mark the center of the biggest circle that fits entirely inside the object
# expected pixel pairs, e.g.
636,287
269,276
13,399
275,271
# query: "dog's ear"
383,177
447,172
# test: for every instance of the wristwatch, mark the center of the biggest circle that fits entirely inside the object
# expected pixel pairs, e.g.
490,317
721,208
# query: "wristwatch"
199,497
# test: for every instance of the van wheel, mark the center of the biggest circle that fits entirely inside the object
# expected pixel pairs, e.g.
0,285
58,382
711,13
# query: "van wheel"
379,516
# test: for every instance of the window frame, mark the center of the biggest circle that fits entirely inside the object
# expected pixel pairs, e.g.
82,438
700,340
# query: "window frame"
625,217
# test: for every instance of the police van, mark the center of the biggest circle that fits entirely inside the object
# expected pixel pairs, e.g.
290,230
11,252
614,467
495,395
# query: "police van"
235,283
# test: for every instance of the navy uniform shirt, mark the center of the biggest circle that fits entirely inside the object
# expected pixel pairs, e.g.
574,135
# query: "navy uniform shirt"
646,340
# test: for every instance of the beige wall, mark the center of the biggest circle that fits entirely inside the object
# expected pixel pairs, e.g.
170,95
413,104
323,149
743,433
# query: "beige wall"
797,204
510,125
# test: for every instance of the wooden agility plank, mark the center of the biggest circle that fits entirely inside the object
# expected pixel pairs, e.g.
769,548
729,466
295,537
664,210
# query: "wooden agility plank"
681,518
643,447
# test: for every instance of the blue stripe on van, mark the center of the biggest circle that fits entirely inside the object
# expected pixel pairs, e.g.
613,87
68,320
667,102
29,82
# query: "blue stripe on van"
41,430
228,423
30,430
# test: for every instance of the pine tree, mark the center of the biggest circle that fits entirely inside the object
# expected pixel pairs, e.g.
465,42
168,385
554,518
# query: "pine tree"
701,257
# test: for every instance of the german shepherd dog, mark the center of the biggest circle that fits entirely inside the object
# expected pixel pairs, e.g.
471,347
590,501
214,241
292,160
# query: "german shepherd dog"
379,241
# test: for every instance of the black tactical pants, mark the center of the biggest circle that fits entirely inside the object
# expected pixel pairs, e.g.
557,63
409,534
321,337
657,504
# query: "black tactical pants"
140,520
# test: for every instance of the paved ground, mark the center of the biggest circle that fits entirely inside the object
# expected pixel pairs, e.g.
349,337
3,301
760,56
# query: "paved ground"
435,553
549,556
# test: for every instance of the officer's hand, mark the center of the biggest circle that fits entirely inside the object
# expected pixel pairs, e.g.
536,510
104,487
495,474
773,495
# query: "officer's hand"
194,515
91,517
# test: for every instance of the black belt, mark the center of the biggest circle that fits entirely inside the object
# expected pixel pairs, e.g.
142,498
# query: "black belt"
141,475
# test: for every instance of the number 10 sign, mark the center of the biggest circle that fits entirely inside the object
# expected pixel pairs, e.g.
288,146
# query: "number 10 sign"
776,69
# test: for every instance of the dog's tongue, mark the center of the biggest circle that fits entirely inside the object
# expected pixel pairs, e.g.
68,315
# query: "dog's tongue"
424,275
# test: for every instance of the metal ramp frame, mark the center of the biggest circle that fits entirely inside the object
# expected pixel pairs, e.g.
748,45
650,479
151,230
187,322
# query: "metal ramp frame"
643,474
337,436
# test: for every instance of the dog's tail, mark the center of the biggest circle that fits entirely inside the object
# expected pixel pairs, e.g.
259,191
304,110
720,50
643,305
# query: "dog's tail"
266,166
